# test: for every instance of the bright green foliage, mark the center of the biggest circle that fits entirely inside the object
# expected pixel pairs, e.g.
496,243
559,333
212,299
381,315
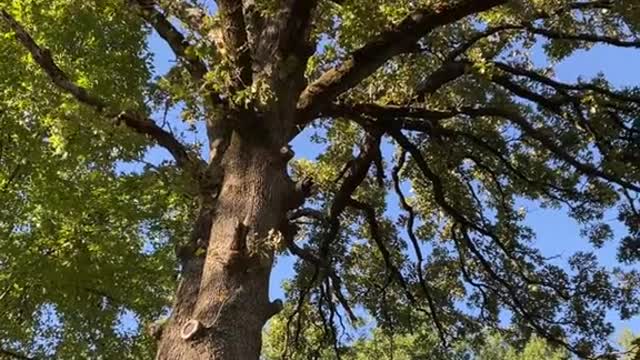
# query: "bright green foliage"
81,242
630,345
420,345
534,349
88,229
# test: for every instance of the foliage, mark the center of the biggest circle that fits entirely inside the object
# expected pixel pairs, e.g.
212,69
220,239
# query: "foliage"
85,231
630,345
386,344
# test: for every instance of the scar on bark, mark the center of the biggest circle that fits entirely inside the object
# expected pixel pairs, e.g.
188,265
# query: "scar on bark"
239,244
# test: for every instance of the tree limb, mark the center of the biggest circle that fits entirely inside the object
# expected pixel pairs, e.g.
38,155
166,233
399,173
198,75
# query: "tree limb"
235,37
293,40
586,37
535,76
371,218
191,15
173,37
366,60
137,122
449,71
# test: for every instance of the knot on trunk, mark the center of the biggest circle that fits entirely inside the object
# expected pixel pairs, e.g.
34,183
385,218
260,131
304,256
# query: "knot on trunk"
240,237
190,329
239,244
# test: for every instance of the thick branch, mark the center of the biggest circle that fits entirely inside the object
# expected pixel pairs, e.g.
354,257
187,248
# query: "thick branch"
137,122
293,40
449,71
355,175
366,60
235,37
172,36
385,112
191,15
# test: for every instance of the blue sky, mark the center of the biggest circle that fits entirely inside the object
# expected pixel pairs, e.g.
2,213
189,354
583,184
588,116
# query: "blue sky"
557,234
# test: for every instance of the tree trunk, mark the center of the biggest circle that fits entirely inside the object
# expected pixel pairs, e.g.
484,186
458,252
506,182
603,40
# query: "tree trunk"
223,294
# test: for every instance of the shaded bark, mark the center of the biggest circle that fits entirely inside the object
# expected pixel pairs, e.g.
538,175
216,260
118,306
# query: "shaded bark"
225,290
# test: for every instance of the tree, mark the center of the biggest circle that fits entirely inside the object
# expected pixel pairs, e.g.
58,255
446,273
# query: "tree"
440,96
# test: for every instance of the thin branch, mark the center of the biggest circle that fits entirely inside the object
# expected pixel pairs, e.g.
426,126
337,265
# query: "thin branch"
137,122
550,144
319,263
374,227
517,303
391,124
535,76
12,177
586,37
414,241
550,34
298,310
341,298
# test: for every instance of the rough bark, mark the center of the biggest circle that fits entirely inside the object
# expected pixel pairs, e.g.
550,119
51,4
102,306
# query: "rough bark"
226,289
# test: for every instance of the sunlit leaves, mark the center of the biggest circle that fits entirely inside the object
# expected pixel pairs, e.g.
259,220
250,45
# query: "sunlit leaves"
82,243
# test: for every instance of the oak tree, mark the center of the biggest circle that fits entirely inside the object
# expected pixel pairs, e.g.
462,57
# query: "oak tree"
442,97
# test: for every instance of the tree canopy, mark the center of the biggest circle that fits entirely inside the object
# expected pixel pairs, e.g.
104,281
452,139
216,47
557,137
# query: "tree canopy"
447,110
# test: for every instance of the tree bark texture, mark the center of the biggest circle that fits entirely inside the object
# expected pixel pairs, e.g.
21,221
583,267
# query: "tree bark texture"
225,290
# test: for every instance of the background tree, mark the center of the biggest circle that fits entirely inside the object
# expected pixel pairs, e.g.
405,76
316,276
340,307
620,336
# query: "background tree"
438,96
424,344
630,345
